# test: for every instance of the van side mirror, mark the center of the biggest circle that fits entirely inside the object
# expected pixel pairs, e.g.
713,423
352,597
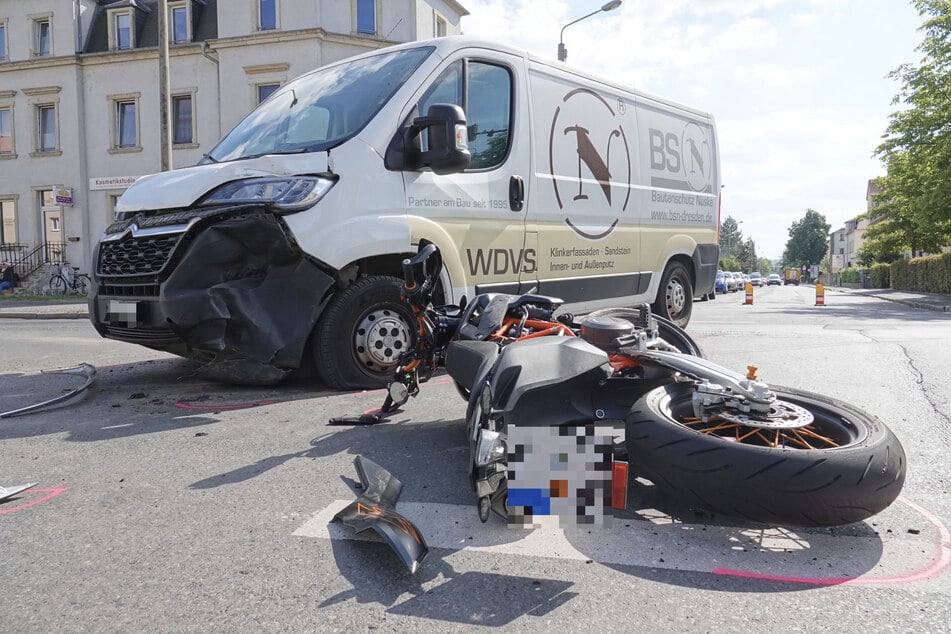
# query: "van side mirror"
448,138
448,142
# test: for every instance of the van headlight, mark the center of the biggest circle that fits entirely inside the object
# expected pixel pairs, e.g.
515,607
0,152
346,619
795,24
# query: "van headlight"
284,195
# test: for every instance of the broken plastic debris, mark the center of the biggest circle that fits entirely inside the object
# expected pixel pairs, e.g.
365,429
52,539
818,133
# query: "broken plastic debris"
83,369
9,492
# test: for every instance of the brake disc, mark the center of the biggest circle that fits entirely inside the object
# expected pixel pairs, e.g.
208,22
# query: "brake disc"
781,415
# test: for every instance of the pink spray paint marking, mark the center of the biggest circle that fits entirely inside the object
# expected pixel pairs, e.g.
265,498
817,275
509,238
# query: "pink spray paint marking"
941,561
50,494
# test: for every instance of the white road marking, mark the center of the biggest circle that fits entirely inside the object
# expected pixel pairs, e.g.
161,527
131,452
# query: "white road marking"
654,540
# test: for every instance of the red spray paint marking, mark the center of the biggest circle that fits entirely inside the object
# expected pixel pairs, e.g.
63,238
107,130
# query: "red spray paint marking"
50,494
940,562
215,408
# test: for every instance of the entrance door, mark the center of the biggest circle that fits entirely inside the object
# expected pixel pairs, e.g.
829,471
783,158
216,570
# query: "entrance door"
54,233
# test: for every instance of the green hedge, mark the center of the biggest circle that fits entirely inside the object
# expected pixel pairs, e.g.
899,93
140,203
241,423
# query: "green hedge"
850,275
880,276
931,274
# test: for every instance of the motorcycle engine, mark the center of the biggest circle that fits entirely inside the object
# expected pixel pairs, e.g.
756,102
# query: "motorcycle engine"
602,331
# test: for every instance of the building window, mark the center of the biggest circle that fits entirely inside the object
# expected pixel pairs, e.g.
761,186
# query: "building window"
42,37
182,119
440,26
366,17
8,221
267,15
3,41
178,19
46,128
121,25
6,131
266,90
112,201
126,127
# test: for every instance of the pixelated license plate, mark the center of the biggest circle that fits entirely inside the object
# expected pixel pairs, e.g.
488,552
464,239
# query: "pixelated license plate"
564,472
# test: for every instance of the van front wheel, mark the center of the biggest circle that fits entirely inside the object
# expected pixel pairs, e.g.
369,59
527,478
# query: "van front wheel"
362,334
675,295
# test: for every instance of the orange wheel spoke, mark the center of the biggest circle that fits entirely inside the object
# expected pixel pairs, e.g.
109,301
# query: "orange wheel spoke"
803,437
806,431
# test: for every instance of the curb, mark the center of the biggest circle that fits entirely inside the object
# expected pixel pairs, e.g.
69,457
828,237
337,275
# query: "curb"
13,313
25,315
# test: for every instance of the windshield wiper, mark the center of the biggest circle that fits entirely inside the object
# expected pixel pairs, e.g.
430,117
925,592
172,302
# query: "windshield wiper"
297,150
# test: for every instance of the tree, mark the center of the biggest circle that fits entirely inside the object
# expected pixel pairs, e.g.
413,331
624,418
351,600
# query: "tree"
729,263
730,237
745,254
807,242
914,209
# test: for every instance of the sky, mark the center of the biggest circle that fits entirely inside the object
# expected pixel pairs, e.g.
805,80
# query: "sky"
798,88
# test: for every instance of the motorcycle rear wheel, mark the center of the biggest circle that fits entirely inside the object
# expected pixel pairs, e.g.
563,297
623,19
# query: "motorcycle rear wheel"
844,467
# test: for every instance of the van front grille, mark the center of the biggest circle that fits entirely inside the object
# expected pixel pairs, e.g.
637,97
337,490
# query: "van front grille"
145,255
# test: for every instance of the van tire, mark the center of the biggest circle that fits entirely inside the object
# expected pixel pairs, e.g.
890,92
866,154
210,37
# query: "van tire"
675,295
362,334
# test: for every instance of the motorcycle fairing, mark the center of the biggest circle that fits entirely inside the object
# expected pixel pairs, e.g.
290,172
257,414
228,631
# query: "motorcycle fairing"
557,390
376,508
469,361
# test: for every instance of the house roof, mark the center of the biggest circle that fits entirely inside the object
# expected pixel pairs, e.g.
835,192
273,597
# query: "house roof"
204,23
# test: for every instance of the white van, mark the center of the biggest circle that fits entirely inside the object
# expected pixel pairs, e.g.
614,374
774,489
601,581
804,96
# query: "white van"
286,240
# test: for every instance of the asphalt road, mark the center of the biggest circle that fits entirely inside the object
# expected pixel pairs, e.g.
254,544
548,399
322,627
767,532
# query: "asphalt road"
168,502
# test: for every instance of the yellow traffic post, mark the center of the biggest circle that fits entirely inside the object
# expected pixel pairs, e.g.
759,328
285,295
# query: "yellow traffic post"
749,293
820,294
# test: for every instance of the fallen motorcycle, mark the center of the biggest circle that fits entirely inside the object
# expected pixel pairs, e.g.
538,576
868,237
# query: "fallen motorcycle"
720,440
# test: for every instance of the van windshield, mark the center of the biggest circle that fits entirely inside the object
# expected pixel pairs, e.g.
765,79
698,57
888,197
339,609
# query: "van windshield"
319,110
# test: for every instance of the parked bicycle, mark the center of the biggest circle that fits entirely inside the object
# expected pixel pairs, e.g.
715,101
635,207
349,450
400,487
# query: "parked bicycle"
68,279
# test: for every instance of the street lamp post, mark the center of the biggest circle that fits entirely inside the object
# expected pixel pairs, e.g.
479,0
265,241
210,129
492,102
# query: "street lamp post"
562,51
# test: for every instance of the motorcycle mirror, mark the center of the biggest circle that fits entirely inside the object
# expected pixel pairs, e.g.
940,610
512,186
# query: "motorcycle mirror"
399,393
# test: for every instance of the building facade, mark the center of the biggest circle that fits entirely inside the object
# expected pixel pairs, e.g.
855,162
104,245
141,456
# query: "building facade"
80,104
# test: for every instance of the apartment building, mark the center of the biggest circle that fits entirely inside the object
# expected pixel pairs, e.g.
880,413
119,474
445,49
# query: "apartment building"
79,93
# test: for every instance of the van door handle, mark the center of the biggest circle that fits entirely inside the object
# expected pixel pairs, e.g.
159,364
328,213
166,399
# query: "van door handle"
516,193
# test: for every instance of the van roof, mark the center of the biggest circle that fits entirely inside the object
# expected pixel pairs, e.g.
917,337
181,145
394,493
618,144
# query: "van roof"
447,45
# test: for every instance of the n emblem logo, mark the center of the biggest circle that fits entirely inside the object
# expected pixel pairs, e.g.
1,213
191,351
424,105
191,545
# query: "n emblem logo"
586,128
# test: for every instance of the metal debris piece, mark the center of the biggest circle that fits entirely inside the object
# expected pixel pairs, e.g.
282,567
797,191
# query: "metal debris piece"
83,369
9,492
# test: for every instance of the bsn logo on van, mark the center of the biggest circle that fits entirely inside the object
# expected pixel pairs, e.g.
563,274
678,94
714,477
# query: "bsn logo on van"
590,163
688,159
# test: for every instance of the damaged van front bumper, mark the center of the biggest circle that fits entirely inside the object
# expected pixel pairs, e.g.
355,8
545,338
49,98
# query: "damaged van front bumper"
223,286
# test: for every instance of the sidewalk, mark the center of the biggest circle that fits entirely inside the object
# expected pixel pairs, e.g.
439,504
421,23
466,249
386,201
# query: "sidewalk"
924,301
52,309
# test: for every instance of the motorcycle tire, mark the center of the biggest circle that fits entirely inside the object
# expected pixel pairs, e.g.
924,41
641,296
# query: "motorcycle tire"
855,471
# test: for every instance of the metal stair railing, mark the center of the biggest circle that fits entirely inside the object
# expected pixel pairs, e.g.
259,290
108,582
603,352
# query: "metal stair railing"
26,262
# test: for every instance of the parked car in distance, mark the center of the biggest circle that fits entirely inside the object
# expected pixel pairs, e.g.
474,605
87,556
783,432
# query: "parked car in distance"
774,279
744,278
720,284
731,284
756,278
